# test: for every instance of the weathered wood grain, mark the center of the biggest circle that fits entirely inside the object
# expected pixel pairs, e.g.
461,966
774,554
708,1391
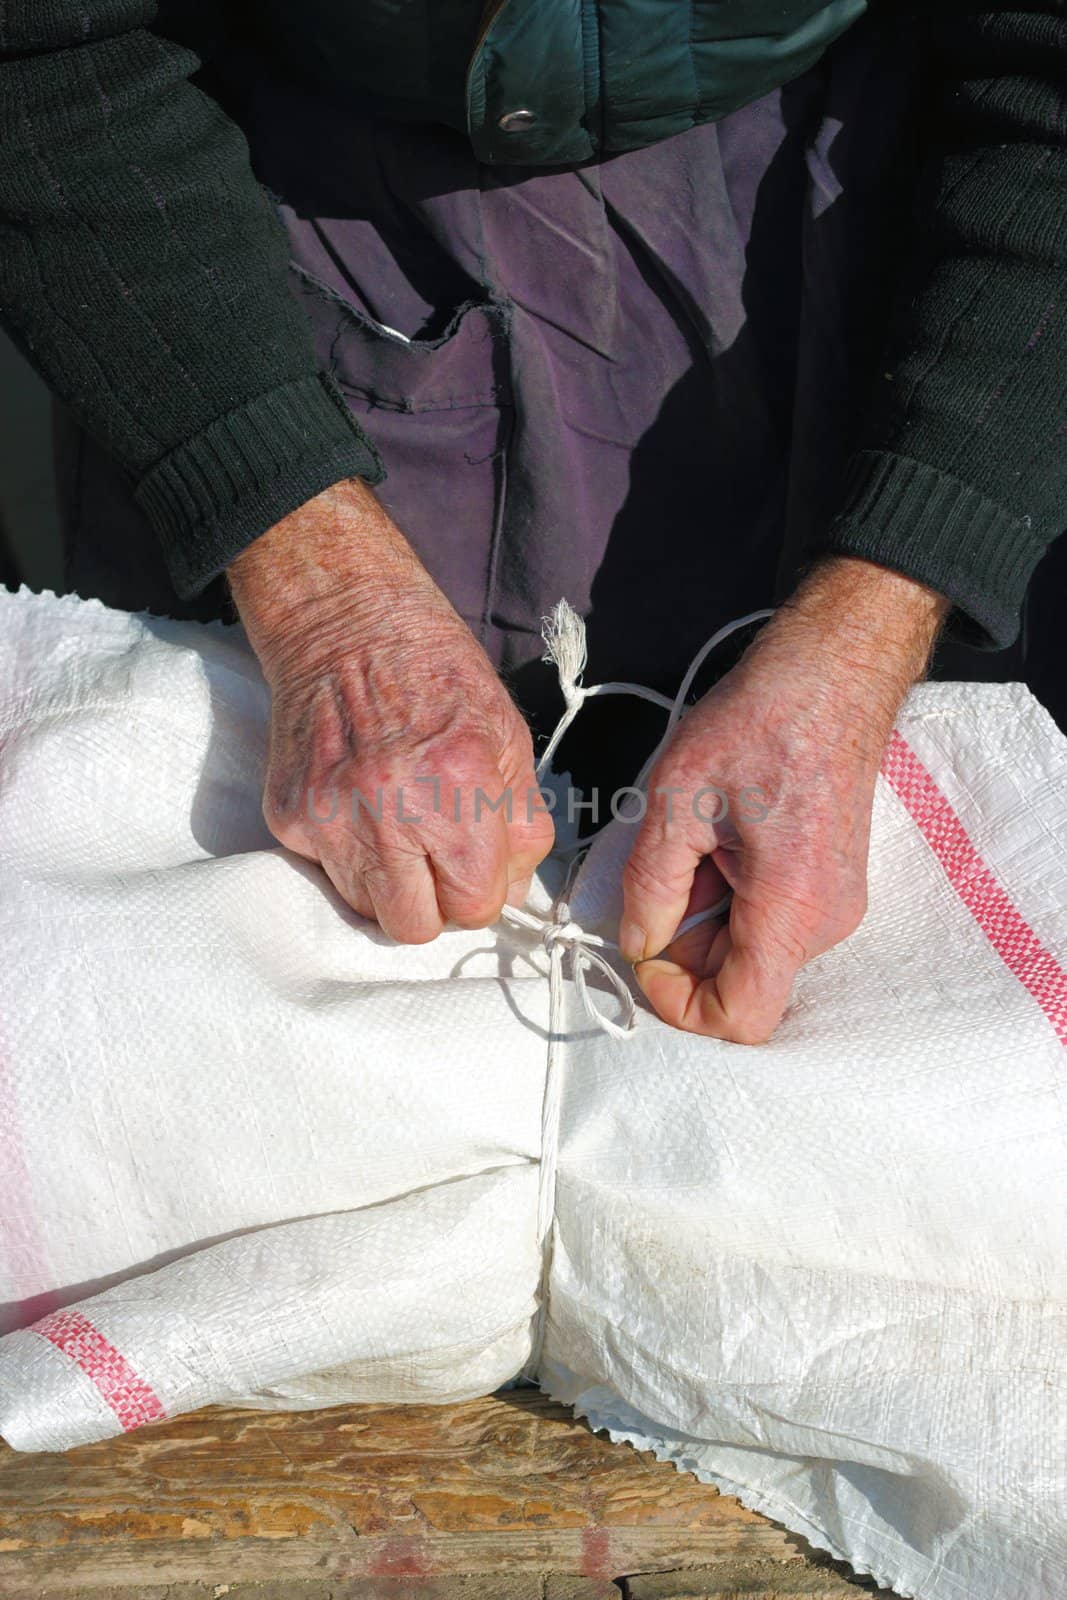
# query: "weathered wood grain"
758,1580
508,1484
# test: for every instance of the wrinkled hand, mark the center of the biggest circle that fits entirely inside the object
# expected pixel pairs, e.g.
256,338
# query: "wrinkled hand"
774,772
392,740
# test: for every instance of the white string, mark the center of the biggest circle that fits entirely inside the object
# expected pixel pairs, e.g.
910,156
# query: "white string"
563,632
562,936
565,645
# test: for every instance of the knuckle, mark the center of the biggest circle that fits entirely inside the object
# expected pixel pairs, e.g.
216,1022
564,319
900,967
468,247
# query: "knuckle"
469,756
472,895
404,920
535,842
284,824
476,914
416,932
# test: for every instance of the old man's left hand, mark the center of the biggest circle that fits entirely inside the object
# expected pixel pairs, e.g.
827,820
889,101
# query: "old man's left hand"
767,789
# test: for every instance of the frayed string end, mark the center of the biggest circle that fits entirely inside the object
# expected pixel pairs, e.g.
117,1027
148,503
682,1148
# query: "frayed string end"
564,634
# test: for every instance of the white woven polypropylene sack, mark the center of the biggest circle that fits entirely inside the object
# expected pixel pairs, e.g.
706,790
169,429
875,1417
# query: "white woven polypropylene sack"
252,1152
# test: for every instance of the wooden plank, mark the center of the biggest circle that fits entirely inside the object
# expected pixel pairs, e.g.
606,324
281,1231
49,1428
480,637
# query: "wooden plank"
506,1586
509,1484
766,1580
498,1586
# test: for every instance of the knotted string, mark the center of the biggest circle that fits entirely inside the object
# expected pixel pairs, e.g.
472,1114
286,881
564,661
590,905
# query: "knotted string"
565,645
562,937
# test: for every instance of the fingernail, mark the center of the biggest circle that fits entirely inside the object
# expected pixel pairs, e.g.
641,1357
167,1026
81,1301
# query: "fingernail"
632,941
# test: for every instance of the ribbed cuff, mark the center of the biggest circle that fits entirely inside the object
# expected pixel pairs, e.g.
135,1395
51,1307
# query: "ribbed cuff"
212,496
930,526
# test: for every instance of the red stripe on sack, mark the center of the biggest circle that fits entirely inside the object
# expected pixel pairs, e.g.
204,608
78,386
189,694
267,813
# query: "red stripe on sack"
130,1398
1008,932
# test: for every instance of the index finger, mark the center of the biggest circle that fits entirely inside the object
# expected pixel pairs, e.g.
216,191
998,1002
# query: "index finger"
743,988
656,886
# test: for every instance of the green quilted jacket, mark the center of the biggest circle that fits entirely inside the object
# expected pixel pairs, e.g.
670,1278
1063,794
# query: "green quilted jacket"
554,82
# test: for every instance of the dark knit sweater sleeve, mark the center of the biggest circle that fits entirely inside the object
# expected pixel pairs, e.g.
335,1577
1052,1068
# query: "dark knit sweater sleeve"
961,480
143,272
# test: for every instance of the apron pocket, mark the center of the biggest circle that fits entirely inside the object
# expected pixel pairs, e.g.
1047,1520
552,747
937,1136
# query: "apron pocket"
440,412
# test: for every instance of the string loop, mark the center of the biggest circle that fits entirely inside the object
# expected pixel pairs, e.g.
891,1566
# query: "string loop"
561,936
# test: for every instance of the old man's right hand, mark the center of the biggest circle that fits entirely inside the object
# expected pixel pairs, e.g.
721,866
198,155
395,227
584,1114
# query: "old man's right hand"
398,760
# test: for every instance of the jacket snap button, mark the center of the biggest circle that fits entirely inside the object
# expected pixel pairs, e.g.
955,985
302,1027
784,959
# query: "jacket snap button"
516,121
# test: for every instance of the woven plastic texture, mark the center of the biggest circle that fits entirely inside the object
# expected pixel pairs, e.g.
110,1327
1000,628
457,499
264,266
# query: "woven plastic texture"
252,1152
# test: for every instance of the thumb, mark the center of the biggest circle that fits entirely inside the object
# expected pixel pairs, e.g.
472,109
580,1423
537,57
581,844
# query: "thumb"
745,1000
743,988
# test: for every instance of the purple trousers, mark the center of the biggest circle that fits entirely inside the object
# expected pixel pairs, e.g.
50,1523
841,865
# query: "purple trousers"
633,384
